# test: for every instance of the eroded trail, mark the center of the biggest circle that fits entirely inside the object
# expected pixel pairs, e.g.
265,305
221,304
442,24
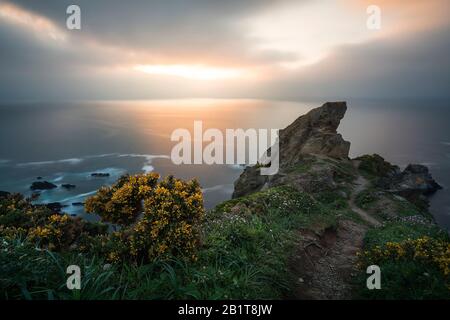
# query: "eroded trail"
361,184
324,264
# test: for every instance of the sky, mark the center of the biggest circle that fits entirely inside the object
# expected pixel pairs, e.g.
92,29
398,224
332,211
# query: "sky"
267,49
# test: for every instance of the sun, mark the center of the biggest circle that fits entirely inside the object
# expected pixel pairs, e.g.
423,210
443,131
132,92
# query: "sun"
193,72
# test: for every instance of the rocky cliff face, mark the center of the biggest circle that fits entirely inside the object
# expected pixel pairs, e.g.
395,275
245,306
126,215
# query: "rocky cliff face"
311,142
314,133
350,197
414,183
342,206
415,178
311,134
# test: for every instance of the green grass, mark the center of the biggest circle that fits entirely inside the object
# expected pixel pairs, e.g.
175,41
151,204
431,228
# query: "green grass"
244,254
302,167
405,208
374,165
344,171
333,199
404,278
366,198
33,274
398,231
245,247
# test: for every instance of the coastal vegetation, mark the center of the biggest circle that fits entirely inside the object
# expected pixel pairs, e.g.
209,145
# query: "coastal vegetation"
308,232
242,249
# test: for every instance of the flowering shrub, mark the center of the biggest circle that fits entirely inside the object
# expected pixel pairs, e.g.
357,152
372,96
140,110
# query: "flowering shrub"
59,232
155,219
284,199
414,268
122,202
164,218
39,225
16,211
426,250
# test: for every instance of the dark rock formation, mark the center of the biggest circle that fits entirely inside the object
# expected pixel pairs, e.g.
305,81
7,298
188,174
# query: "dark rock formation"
314,157
55,206
314,133
415,183
68,186
99,175
366,193
249,181
416,177
42,185
311,134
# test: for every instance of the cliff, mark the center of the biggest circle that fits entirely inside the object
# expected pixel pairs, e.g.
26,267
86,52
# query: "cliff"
308,232
354,205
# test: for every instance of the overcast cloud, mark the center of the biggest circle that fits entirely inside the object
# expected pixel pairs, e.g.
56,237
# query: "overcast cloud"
277,49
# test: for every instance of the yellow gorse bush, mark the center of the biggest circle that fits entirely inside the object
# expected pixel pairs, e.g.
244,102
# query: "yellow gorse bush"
122,202
154,219
158,219
426,250
56,233
19,218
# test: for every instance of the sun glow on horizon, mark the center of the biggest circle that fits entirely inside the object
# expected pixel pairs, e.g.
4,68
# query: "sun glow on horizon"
193,72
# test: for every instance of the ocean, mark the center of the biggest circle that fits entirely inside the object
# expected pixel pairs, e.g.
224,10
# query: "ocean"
66,142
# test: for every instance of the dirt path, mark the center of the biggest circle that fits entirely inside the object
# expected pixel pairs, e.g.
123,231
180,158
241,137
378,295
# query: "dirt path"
325,264
361,184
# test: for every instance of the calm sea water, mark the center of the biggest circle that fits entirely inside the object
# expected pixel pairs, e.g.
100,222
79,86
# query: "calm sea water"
65,143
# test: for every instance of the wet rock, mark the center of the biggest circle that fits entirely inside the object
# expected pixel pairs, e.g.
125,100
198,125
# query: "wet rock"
68,186
99,175
55,206
42,185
